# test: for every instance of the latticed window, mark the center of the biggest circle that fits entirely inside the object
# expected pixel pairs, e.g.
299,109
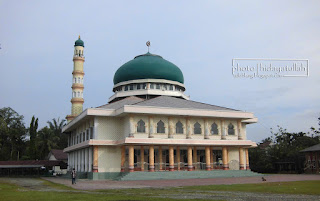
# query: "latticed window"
141,126
214,129
230,129
179,127
197,128
160,127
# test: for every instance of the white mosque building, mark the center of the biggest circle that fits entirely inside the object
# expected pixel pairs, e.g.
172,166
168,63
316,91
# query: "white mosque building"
149,124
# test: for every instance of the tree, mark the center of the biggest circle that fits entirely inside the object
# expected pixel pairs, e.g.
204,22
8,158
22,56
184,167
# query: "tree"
284,151
12,134
46,140
315,131
33,137
56,126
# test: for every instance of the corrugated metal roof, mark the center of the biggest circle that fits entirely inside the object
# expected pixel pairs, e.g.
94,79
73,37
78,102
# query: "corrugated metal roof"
34,163
59,154
313,148
119,104
172,102
163,101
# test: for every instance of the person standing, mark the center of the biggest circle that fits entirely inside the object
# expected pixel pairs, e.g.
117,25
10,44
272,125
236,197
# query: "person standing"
73,176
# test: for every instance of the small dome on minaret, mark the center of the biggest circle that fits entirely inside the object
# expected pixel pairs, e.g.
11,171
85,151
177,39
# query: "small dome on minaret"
79,42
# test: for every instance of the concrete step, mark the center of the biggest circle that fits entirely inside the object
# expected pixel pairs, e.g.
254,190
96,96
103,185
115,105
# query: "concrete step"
185,175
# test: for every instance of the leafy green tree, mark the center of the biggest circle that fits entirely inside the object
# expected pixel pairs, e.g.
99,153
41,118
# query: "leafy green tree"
33,154
46,140
56,126
284,150
12,134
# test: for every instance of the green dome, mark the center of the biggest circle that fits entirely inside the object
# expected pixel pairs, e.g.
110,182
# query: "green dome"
148,66
79,42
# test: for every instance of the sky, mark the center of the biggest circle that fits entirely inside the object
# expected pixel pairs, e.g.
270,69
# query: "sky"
200,37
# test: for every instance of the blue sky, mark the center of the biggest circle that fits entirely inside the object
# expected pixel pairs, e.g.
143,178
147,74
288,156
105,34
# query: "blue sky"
201,37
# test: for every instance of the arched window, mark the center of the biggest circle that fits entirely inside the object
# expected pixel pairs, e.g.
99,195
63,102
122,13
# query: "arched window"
197,128
78,79
141,126
214,129
179,128
230,129
160,127
78,94
74,94
75,80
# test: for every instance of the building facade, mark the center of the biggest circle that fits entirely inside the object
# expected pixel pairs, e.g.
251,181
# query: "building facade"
312,162
149,124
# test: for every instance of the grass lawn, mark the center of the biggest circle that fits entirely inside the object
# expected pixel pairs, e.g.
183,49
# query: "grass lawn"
12,192
295,187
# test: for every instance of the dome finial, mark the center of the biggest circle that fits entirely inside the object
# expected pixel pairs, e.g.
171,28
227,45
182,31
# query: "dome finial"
148,44
79,36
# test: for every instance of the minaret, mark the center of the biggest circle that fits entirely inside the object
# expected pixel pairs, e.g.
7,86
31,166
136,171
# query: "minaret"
77,80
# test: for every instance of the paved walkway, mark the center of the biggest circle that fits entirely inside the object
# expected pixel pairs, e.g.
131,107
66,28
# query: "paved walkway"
109,184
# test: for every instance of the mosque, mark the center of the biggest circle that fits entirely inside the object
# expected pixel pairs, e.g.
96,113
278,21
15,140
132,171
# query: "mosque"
149,124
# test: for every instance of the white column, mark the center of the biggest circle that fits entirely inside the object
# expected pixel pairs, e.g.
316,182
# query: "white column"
95,128
151,131
83,160
79,160
90,159
86,160
132,126
188,130
170,128
206,129
72,159
223,130
240,130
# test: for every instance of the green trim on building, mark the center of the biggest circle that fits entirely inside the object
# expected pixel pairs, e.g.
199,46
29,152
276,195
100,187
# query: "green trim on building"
148,66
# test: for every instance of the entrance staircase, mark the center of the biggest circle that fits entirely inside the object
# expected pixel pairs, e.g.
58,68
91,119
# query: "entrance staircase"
185,175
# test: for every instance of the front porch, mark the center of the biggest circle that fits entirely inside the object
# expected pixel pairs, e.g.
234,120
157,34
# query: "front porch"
182,158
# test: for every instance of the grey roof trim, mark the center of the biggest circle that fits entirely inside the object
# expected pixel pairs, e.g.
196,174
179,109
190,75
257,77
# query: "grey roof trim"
313,148
120,103
172,102
20,166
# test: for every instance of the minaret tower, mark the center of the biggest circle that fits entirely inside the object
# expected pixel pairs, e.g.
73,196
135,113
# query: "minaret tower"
77,80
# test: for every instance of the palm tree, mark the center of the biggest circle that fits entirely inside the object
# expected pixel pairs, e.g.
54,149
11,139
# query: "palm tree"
56,126
46,141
